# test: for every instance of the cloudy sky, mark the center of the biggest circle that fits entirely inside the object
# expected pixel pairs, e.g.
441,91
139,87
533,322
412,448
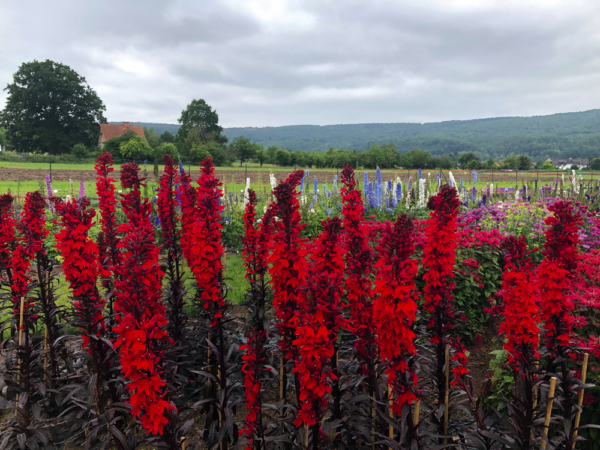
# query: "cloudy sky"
280,62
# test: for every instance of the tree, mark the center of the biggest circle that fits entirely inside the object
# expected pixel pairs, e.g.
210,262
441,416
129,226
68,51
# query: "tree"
548,166
198,153
244,148
271,154
261,156
113,146
79,151
465,158
151,137
283,157
511,162
3,140
50,108
167,148
201,117
136,149
595,163
167,136
524,162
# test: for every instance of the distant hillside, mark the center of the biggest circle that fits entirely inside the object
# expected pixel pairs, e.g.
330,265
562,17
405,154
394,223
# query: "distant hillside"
558,135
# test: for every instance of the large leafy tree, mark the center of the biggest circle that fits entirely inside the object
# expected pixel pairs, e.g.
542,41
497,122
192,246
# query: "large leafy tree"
50,108
199,116
244,148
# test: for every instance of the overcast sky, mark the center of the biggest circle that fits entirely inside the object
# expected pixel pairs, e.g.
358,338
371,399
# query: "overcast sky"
278,62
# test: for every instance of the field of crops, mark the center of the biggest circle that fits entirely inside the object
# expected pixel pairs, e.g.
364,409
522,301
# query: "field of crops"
302,309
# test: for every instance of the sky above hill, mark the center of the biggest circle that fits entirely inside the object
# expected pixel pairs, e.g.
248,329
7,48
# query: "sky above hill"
280,62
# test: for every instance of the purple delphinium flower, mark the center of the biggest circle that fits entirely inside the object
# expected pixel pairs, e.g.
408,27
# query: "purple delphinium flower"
390,186
474,177
420,174
366,180
398,191
324,189
461,184
328,194
409,185
316,187
474,193
378,173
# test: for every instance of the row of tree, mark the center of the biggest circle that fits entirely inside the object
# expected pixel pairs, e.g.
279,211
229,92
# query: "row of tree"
51,109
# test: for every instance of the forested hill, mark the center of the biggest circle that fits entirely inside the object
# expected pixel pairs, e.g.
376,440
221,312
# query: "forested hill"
558,135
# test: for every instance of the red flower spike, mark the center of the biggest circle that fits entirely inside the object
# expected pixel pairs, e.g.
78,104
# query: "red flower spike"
358,265
107,238
520,308
439,257
321,319
81,265
395,307
288,266
561,256
140,314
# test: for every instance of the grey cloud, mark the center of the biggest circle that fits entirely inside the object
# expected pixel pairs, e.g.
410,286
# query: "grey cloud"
324,62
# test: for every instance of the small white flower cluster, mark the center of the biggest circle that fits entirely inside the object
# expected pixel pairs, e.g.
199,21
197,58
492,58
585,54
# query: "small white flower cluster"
273,180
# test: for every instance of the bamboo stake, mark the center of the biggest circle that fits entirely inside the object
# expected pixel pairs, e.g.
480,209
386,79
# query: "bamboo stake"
391,414
306,435
416,414
446,393
580,399
20,343
549,408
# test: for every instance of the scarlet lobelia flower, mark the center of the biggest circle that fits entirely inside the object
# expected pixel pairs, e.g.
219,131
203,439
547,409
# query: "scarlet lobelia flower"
555,273
439,256
81,265
395,307
288,267
205,248
520,309
321,320
188,198
32,233
166,207
107,238
358,265
7,232
140,314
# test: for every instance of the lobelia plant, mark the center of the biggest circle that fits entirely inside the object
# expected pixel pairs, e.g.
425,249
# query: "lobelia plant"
320,325
288,270
23,370
256,247
394,313
110,255
82,267
206,251
554,276
140,320
358,256
439,256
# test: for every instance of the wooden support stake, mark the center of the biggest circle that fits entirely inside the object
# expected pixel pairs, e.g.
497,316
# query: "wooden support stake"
20,343
305,435
580,398
417,413
549,408
391,414
446,391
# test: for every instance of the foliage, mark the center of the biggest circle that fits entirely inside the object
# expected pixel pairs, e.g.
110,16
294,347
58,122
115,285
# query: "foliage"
135,149
79,151
199,116
50,108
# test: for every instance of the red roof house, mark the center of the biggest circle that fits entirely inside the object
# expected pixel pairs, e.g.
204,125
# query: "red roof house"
111,130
